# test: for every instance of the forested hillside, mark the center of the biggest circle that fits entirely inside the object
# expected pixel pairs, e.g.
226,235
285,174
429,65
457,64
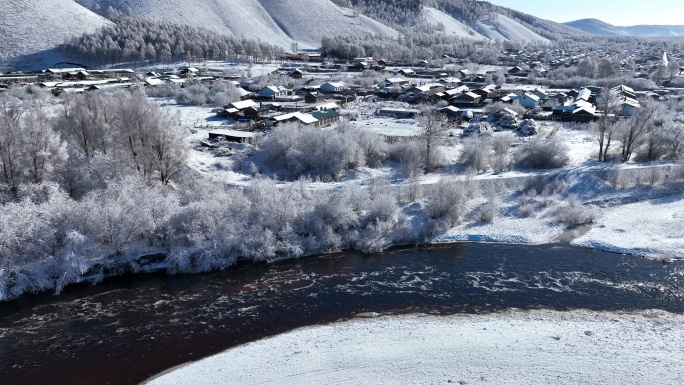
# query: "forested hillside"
134,40
598,27
471,13
277,22
27,27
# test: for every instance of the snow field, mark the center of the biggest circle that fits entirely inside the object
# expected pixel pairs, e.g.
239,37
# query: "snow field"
29,27
278,22
451,25
516,347
652,229
389,126
504,28
275,22
295,19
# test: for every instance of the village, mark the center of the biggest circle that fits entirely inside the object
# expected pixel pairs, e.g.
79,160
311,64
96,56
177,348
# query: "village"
310,90
341,191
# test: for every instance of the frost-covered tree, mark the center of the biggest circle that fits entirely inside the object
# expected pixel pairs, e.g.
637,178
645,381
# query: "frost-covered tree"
633,130
44,149
476,153
291,151
434,127
543,153
606,125
11,153
30,150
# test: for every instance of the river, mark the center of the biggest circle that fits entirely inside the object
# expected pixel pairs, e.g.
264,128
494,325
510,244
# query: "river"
127,329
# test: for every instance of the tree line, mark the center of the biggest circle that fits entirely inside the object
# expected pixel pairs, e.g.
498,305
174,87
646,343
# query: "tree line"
93,184
85,140
423,45
135,40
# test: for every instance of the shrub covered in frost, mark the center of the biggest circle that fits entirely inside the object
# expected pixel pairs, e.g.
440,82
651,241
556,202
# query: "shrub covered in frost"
543,153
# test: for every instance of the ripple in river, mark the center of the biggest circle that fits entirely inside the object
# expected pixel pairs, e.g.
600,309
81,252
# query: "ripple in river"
127,329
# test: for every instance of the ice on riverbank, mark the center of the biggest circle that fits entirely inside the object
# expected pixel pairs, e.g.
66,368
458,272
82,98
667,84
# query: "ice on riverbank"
505,230
652,229
514,348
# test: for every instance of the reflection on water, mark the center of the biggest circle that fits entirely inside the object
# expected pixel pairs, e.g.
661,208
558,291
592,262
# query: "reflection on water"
127,329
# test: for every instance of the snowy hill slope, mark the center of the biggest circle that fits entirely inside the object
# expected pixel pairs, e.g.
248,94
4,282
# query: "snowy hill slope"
655,30
307,21
278,22
598,27
27,27
232,17
501,28
504,28
451,26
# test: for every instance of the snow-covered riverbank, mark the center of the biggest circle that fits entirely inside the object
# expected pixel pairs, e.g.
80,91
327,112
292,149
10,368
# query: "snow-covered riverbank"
516,347
653,229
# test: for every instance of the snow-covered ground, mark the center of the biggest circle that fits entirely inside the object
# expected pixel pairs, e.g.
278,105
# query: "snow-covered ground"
29,27
516,347
504,28
307,21
580,140
505,230
389,126
33,27
278,22
652,229
451,25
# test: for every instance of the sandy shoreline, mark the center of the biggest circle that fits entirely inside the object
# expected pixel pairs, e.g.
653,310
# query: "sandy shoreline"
513,347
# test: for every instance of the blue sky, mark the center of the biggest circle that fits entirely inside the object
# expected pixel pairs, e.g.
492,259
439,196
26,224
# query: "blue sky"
616,12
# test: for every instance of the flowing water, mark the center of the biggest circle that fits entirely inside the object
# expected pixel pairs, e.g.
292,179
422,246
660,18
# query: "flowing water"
128,329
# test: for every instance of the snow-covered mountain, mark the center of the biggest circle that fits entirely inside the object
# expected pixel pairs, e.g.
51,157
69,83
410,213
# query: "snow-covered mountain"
655,30
278,22
307,21
32,27
495,27
598,27
29,27
451,26
501,27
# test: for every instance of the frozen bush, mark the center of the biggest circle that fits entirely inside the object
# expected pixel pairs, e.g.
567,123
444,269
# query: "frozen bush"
654,175
383,207
526,203
476,153
488,213
166,90
492,190
543,153
413,191
500,145
526,210
542,184
375,149
678,171
411,157
375,237
292,151
223,93
573,213
196,95
616,179
446,201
